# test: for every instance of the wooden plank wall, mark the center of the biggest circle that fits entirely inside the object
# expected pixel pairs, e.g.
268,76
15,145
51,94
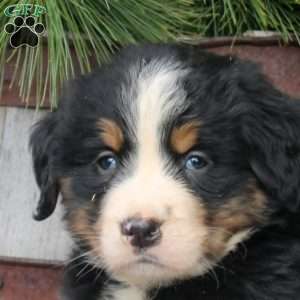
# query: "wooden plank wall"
21,237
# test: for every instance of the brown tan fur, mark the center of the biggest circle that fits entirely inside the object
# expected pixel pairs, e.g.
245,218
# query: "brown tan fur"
235,217
78,220
184,137
240,212
79,225
111,134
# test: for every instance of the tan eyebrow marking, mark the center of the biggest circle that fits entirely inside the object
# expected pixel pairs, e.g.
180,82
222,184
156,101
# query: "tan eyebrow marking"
111,134
184,137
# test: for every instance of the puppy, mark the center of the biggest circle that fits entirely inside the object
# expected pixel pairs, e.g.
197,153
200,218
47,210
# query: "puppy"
179,172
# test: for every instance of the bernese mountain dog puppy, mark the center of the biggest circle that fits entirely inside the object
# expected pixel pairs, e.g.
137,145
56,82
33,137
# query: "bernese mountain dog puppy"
179,172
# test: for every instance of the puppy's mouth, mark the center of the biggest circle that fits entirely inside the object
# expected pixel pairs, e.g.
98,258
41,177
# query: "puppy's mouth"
143,260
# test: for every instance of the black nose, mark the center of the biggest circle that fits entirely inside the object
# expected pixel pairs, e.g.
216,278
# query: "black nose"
140,232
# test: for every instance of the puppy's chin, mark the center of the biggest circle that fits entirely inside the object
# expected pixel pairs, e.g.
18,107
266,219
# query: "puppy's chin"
148,271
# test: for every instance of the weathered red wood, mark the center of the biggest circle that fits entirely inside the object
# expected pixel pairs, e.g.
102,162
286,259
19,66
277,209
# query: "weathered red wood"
29,282
280,64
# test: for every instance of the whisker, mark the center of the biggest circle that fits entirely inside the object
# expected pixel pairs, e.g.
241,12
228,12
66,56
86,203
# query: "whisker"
101,271
82,271
79,256
210,270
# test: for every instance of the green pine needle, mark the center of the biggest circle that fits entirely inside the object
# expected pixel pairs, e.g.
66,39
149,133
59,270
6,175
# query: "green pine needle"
79,30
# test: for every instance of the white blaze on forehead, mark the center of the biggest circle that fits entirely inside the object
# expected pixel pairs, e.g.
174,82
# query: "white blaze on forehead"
159,96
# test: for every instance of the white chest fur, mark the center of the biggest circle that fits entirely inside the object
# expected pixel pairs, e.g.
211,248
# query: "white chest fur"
123,293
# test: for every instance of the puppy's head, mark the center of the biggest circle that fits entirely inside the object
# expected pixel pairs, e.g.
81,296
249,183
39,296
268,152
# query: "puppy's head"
167,159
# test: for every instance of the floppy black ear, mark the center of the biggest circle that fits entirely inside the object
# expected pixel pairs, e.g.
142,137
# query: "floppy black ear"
271,129
42,143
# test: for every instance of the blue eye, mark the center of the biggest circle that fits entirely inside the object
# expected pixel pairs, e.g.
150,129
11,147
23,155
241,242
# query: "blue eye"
195,161
107,161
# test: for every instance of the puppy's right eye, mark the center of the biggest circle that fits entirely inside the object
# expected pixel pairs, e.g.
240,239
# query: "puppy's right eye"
195,161
107,161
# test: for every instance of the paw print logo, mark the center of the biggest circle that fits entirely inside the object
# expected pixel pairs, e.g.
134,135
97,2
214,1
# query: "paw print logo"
24,31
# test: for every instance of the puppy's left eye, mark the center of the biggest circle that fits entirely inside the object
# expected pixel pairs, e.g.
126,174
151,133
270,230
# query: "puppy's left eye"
195,161
107,161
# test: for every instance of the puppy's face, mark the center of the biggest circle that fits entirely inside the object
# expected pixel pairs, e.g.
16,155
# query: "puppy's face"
156,170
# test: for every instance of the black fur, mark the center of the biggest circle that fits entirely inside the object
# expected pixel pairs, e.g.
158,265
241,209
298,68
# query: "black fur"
250,130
